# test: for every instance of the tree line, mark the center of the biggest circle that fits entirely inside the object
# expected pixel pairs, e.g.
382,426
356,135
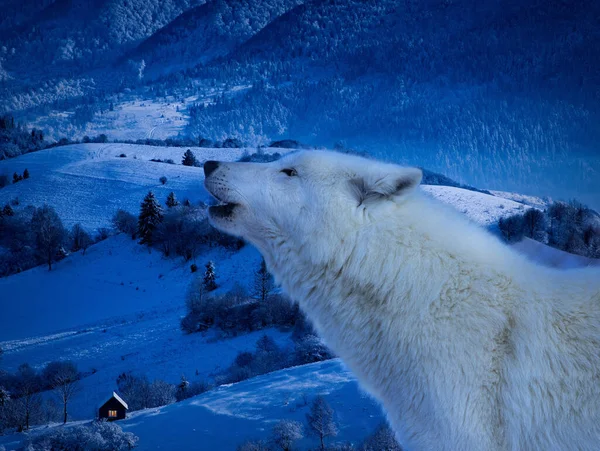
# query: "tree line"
568,226
321,424
21,401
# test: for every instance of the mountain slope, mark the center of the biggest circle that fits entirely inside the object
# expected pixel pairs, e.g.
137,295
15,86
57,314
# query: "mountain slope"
208,31
500,95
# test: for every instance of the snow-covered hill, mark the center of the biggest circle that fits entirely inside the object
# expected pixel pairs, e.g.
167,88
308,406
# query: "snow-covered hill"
117,309
481,208
249,410
88,183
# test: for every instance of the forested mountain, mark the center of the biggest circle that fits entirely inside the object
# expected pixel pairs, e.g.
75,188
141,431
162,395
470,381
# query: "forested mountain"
493,93
501,94
84,31
48,51
209,31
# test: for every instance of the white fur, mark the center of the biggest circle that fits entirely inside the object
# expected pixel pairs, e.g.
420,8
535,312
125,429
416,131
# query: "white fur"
467,345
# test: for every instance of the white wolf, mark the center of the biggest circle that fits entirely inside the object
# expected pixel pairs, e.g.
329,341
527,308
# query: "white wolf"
467,345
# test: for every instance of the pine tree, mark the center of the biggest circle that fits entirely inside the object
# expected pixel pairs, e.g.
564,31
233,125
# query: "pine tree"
210,277
26,174
150,217
172,200
263,282
189,159
17,178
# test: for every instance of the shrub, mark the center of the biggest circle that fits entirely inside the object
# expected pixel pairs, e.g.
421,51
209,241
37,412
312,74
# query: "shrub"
260,157
232,143
102,234
125,222
254,445
311,349
187,390
182,231
122,155
96,436
163,180
193,267
80,239
287,144
512,228
382,439
139,393
268,357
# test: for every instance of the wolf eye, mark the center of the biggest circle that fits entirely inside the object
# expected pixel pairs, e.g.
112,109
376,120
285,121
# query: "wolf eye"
289,172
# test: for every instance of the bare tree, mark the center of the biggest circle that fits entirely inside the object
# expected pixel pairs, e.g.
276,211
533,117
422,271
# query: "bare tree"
64,380
49,233
28,401
285,433
80,239
320,420
534,223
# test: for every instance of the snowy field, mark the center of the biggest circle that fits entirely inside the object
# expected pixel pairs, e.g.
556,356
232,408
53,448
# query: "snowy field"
139,119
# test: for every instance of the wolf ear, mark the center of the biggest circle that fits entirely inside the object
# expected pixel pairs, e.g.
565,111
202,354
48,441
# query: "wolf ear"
380,186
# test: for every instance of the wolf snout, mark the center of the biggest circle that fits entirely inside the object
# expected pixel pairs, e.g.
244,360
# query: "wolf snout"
209,167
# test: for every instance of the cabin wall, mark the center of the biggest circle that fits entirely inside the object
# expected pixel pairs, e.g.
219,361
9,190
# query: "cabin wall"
112,404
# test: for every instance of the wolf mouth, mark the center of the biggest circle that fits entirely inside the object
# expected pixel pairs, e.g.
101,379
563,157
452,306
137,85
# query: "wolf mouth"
223,210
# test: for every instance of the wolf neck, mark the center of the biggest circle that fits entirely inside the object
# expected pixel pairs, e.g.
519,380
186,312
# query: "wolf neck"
397,269
411,254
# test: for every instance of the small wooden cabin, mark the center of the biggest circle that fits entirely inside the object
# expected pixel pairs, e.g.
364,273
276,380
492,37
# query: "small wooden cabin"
113,409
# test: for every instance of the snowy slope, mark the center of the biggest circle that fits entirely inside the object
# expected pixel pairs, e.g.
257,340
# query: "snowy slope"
116,277
481,208
117,309
87,183
249,409
532,201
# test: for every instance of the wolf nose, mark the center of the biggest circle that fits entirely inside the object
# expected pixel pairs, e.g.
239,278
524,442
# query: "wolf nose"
209,167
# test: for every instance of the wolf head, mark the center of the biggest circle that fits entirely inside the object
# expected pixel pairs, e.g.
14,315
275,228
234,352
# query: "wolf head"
304,196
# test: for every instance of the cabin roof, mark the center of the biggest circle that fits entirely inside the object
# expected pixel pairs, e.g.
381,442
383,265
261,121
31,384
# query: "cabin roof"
118,398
